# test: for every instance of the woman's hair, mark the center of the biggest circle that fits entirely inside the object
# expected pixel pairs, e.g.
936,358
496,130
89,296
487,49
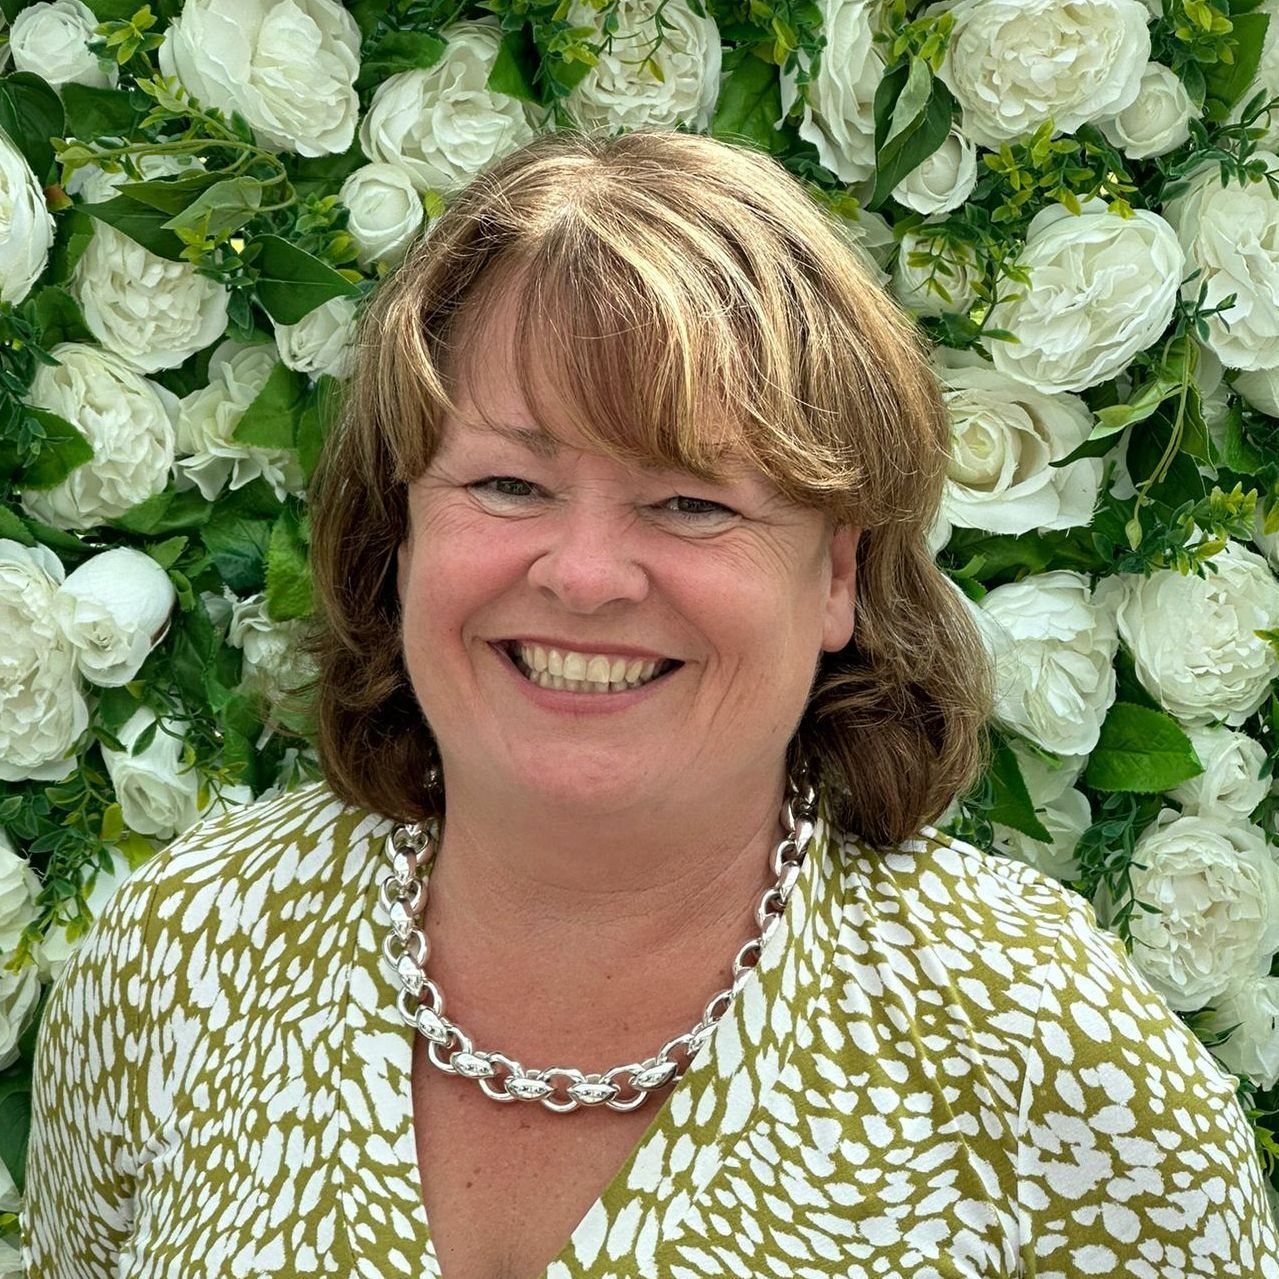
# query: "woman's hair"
688,305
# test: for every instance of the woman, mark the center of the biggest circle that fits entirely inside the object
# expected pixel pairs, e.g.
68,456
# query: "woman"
632,434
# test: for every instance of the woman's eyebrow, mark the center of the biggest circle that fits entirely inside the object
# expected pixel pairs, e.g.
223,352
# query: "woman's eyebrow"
532,438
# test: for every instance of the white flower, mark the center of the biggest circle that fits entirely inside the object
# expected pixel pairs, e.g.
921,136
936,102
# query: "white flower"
1102,288
1217,889
1253,1046
1230,784
26,226
1062,809
52,40
1260,387
839,106
944,180
442,124
1013,64
386,212
1192,638
157,793
55,948
19,888
287,66
151,312
1004,434
19,995
208,453
871,238
114,609
618,93
1054,650
912,284
273,661
42,711
321,341
1158,118
127,419
1231,235
11,1262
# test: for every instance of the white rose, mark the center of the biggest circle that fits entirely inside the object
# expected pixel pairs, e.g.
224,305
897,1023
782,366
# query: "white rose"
618,94
321,341
19,888
1192,638
1158,118
442,124
127,419
1054,650
1004,435
386,212
1260,387
1231,784
157,793
1062,809
55,948
208,453
944,180
1253,1046
1231,236
917,287
11,1264
1101,289
287,66
273,661
113,610
42,711
52,40
839,106
871,238
26,226
151,312
1013,64
19,995
1217,889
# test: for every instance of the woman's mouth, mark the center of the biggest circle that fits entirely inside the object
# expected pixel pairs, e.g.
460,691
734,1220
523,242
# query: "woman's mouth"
582,671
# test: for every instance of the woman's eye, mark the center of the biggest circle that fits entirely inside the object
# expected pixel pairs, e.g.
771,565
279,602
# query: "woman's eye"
501,486
708,509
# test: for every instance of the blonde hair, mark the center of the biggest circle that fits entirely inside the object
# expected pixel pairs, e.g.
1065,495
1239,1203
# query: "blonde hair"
685,301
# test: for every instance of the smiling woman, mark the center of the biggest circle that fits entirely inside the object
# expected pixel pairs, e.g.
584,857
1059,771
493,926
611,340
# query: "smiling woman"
638,690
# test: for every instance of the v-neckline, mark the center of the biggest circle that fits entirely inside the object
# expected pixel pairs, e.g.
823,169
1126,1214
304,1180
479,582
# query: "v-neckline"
387,1229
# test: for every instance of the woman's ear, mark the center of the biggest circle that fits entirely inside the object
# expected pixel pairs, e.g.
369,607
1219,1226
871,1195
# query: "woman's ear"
841,600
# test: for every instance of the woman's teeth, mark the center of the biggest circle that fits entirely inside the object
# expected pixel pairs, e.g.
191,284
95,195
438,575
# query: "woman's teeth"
583,672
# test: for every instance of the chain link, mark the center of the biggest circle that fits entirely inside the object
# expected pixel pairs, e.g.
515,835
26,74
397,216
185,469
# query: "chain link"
411,851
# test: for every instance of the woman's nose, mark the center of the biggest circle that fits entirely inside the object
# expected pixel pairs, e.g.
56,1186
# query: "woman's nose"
589,563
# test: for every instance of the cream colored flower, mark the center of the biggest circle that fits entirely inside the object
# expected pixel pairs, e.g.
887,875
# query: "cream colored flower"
944,180
1231,783
1158,118
52,40
386,212
26,227
322,341
1253,1047
156,791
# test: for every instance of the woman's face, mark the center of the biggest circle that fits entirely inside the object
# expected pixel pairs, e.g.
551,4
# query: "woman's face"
514,548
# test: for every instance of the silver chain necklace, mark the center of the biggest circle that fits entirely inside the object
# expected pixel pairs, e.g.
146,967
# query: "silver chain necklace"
411,850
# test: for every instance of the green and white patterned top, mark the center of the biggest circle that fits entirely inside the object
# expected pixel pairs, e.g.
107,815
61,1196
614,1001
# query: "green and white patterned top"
941,1067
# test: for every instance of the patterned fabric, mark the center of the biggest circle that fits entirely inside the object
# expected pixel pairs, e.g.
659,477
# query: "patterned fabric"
940,1068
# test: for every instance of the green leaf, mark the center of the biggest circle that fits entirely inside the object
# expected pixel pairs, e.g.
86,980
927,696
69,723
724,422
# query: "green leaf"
74,232
58,317
313,423
749,105
221,209
270,421
1141,750
400,51
166,512
14,528
170,195
1225,84
31,114
515,66
194,641
322,175
912,102
166,553
98,113
62,450
15,1125
908,149
1238,454
288,575
116,707
140,222
292,282
1013,805
237,544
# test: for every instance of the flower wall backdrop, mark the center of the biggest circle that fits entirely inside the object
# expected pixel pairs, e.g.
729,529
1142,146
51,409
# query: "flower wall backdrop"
1079,199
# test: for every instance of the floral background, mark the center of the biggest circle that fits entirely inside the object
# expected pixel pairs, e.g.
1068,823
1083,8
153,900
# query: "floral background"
1078,199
